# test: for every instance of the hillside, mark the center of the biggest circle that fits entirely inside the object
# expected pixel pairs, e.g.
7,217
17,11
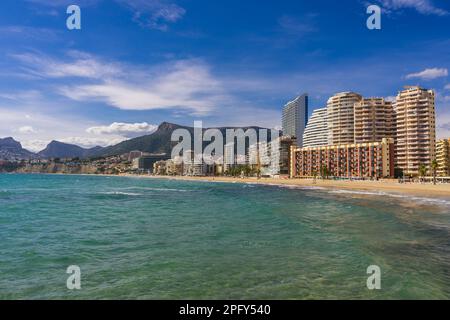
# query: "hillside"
157,142
56,149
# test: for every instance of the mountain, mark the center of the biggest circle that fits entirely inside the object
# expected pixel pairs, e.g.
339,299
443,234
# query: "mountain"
11,149
157,142
56,149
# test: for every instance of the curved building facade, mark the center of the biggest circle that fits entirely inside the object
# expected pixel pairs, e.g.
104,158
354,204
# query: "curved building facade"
316,132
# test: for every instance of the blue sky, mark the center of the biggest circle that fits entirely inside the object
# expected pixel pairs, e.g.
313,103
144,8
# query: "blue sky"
137,63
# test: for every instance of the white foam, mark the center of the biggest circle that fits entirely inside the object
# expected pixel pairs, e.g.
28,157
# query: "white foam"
119,193
433,201
157,189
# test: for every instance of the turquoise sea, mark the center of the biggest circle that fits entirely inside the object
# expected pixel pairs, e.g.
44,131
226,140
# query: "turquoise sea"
136,238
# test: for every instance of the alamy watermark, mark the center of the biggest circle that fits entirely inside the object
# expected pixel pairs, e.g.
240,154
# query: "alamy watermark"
73,22
232,146
374,20
74,280
374,280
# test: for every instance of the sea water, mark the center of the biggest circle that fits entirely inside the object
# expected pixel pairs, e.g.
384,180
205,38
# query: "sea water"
137,238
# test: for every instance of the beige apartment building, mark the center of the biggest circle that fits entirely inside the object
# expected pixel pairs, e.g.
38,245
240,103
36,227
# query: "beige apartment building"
374,120
415,129
340,117
443,157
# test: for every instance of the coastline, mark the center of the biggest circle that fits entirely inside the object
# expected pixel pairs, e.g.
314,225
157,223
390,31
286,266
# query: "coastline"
413,189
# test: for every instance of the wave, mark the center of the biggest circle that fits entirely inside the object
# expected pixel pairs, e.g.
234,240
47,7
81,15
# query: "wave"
434,201
286,186
120,193
157,189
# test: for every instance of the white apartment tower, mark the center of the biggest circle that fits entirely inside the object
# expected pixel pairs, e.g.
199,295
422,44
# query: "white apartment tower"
316,132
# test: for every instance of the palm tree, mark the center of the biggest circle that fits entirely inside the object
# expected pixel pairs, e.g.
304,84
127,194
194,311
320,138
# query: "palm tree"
314,174
422,171
324,172
434,166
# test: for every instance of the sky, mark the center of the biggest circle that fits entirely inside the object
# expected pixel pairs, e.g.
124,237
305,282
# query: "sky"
137,63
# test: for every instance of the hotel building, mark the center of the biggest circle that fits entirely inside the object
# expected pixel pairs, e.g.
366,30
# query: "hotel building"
340,117
415,129
371,160
316,132
374,120
295,118
443,157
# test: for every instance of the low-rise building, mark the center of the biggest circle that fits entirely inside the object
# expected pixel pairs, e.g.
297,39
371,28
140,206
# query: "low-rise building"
145,163
364,160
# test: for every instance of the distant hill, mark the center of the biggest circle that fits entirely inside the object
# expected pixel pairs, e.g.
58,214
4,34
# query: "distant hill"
157,142
56,149
11,149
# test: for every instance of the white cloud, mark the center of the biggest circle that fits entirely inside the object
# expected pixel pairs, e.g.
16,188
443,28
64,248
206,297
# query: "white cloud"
81,66
129,130
26,130
47,128
89,142
154,14
181,84
421,6
34,145
21,96
429,74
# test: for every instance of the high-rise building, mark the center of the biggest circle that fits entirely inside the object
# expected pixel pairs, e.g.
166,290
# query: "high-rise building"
415,129
295,118
443,157
316,132
374,120
340,115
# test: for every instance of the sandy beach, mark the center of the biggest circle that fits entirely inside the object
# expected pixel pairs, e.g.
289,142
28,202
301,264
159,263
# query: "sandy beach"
414,189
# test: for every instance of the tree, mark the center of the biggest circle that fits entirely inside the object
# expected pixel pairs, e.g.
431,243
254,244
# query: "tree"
434,166
422,171
324,172
314,174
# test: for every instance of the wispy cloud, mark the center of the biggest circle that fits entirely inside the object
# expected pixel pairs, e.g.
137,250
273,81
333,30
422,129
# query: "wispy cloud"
129,130
181,84
294,26
429,74
81,65
422,6
154,14
27,32
27,130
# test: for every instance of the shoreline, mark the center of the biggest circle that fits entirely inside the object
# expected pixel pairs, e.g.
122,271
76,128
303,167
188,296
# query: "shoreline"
413,189
440,191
